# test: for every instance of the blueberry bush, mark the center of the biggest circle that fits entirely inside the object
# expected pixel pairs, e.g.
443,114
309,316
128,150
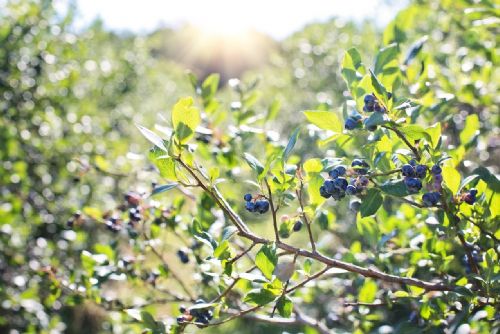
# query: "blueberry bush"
377,213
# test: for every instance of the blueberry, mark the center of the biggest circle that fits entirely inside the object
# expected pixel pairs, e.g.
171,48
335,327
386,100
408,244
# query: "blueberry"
329,186
262,206
413,184
378,108
333,174
338,195
413,162
247,197
468,198
339,171
340,183
421,171
181,319
250,206
323,192
431,198
473,191
436,170
183,256
357,164
356,116
363,181
368,108
438,178
351,123
182,309
354,205
369,99
408,170
351,190
297,226
389,95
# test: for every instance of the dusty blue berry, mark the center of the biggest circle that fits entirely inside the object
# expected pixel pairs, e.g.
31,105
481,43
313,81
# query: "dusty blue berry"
323,192
329,186
351,190
436,170
421,171
247,197
408,170
413,184
297,226
350,123
340,183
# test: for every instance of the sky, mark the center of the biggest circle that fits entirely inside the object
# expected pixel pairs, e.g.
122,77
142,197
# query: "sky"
278,18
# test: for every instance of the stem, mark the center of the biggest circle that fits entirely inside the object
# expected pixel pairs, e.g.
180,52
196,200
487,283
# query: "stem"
405,140
308,223
308,279
273,211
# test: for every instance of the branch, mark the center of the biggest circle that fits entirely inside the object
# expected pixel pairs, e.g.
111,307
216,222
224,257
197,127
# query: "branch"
405,140
308,279
273,211
308,223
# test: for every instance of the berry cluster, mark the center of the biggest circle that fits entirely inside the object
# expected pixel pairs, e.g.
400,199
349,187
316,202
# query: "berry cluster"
114,224
259,205
372,104
337,187
199,315
469,197
413,174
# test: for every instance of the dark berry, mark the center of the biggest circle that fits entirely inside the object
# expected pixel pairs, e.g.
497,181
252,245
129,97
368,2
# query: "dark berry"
473,191
371,128
368,108
132,198
262,206
329,186
413,184
436,170
247,197
333,174
468,198
350,123
363,181
413,162
181,319
250,206
351,190
421,171
360,166
369,99
338,195
438,178
340,183
408,170
297,226
323,192
378,108
431,198
182,309
337,171
354,205
183,256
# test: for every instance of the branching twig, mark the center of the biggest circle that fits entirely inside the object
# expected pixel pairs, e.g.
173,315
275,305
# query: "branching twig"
405,140
273,212
308,279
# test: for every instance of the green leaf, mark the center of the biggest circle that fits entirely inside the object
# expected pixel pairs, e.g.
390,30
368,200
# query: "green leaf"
266,260
415,50
395,188
209,86
185,119
471,129
351,67
148,320
414,132
371,203
434,133
164,163
228,232
253,163
273,110
376,118
326,120
386,56
152,137
467,180
259,297
285,306
221,249
291,143
379,88
452,178
368,291
307,266
161,189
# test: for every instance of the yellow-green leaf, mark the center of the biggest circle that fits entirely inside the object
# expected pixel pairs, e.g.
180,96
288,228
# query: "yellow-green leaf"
185,119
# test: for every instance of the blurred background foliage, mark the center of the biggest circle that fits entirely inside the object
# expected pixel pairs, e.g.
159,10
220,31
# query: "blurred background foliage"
69,99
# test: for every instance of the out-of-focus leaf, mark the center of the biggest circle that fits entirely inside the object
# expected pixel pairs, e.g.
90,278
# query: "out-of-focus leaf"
185,119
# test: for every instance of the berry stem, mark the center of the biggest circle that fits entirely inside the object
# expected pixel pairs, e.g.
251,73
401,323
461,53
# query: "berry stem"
405,140
304,215
273,211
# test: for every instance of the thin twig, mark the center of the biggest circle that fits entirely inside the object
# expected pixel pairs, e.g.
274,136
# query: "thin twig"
273,212
308,279
304,215
405,140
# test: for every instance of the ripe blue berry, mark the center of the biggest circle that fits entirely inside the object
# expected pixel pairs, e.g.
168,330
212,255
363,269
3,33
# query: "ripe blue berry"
408,170
413,184
338,195
323,192
247,197
329,186
360,166
350,123
473,191
468,198
378,108
351,190
340,170
363,181
436,170
333,174
340,183
421,171
369,99
250,206
297,226
413,162
431,198
261,206
183,256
